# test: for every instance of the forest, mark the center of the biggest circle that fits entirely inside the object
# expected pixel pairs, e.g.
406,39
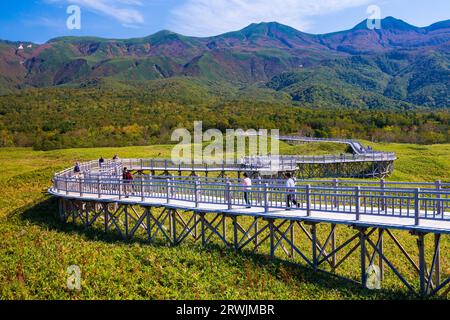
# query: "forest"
65,117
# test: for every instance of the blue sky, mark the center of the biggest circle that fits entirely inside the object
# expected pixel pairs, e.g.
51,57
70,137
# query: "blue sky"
41,20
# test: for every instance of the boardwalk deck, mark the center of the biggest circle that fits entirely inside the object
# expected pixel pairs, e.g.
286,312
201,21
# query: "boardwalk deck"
384,220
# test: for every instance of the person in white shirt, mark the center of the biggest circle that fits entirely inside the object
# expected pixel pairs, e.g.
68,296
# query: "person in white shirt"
290,188
247,188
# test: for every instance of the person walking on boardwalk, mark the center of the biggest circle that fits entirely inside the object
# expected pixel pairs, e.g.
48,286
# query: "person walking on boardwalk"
127,180
247,189
116,158
290,189
77,170
101,161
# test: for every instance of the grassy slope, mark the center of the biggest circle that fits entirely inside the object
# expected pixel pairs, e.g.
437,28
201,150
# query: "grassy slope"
36,249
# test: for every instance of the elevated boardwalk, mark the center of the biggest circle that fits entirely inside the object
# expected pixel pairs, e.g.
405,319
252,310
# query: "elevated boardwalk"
362,163
355,145
204,209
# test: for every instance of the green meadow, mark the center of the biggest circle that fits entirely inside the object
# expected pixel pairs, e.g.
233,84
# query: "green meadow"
36,248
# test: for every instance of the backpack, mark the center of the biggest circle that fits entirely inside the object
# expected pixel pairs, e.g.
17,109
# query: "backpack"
129,176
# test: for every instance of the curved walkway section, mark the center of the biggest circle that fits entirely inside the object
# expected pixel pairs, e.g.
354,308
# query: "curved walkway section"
394,204
363,162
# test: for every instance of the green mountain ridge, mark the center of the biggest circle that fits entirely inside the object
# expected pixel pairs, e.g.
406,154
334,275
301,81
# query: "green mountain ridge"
399,66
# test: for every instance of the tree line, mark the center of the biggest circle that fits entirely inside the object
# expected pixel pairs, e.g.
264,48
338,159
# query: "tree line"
58,118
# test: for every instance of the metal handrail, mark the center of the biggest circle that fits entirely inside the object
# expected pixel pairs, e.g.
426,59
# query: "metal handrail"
359,200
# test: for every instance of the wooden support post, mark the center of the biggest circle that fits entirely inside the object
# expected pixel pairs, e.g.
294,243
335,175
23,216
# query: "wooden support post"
224,226
235,233
173,216
106,218
272,238
437,266
62,213
380,248
292,232
333,245
195,226
203,230
362,237
422,263
148,222
126,221
314,245
256,242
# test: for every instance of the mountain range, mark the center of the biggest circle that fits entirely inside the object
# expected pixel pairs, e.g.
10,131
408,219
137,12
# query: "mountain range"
399,65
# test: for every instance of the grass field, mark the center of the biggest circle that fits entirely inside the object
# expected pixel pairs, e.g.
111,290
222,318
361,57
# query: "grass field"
36,249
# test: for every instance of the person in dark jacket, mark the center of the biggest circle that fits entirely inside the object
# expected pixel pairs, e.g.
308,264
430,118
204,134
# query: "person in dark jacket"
101,161
127,180
77,169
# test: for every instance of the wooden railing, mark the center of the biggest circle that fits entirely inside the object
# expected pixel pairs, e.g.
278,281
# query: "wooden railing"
393,199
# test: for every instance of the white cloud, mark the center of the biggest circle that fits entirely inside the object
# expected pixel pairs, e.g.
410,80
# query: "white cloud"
123,11
212,17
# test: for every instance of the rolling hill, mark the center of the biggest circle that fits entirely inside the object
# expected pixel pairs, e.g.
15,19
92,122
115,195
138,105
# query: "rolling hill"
400,65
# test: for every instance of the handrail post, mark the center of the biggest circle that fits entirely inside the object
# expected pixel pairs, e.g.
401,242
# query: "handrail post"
228,191
383,194
308,200
259,190
142,189
336,185
438,185
80,188
168,190
98,188
358,202
417,206
266,198
196,193
120,189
